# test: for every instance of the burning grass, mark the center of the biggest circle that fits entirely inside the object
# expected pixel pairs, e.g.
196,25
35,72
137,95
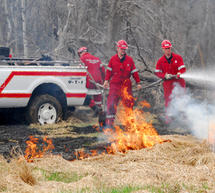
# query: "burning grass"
183,165
136,133
36,149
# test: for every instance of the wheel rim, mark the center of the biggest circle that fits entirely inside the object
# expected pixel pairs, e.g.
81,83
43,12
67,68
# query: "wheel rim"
47,114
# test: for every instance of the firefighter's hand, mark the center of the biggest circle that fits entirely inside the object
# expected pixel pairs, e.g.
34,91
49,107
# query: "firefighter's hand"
139,86
178,75
168,76
106,84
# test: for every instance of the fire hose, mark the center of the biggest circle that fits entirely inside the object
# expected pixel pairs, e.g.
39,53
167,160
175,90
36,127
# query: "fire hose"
171,76
150,85
144,87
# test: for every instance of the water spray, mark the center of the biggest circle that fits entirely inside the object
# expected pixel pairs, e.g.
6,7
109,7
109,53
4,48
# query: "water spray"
206,78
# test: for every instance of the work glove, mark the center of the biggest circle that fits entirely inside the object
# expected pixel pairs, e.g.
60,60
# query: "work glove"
168,76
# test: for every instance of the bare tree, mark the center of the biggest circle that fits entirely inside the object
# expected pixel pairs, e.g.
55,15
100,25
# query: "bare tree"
24,28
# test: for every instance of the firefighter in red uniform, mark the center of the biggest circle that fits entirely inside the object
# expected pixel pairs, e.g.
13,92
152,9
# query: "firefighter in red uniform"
169,67
118,73
96,73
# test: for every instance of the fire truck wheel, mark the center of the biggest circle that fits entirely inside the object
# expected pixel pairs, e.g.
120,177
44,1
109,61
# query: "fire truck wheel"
44,109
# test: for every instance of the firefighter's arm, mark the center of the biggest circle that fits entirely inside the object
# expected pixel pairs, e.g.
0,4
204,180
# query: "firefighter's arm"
102,69
108,75
136,78
134,73
158,71
181,68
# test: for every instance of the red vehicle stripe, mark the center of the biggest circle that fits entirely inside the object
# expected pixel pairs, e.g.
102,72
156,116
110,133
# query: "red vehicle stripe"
6,82
42,73
26,95
15,95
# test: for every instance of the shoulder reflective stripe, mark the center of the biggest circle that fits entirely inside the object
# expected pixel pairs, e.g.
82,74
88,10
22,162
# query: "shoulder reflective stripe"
135,70
92,61
108,68
110,116
180,67
156,70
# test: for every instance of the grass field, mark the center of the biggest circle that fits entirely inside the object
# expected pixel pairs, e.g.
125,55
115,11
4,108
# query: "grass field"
180,164
183,165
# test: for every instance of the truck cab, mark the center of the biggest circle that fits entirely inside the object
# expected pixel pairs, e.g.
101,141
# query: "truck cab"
45,91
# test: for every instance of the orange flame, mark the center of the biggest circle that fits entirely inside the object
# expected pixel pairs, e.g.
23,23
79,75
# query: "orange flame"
81,154
33,151
137,132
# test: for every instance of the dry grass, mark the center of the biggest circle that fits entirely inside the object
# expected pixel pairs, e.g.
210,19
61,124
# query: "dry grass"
3,171
16,176
25,172
184,165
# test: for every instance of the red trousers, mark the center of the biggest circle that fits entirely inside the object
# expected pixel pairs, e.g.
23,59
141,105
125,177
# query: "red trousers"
168,86
118,91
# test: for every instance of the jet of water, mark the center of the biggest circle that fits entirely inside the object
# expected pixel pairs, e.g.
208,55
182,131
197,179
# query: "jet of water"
205,77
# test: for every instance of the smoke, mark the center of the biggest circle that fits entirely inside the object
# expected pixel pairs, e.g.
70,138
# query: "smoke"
192,114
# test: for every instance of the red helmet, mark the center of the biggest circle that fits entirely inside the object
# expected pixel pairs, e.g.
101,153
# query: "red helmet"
82,49
122,44
166,44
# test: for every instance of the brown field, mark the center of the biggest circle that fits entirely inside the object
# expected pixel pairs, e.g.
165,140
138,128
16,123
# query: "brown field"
182,164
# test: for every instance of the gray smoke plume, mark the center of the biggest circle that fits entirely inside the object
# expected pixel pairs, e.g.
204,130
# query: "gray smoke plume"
190,113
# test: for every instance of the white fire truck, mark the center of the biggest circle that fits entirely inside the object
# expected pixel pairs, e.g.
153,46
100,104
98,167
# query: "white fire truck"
46,92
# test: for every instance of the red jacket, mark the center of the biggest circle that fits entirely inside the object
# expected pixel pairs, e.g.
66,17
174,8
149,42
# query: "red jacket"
176,65
118,71
94,67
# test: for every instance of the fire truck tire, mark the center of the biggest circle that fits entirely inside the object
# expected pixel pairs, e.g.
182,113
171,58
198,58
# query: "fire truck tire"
44,109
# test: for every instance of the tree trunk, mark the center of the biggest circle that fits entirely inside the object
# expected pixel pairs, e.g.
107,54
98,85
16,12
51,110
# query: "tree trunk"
24,29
